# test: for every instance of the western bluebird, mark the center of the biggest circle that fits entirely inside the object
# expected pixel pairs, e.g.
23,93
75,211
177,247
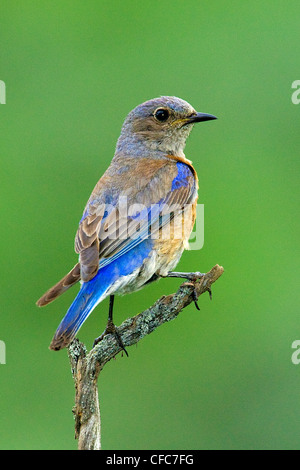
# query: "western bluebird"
139,216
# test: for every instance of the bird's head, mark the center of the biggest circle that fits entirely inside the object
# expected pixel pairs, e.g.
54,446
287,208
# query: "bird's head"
160,125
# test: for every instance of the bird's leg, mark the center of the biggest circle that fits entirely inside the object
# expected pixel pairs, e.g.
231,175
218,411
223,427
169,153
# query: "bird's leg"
190,277
195,298
111,328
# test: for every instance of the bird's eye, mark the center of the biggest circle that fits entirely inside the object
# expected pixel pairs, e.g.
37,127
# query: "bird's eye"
161,114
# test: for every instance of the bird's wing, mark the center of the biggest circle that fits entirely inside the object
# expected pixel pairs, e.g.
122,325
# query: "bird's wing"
153,192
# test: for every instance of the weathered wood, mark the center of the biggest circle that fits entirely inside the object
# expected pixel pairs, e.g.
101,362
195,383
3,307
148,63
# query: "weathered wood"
86,366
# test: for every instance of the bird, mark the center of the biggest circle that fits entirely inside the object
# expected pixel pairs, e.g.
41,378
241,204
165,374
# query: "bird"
139,217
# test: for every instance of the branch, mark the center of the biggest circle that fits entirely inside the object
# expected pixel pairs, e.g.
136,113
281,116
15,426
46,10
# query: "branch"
86,366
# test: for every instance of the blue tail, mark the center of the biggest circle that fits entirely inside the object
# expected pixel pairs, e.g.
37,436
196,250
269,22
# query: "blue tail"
95,290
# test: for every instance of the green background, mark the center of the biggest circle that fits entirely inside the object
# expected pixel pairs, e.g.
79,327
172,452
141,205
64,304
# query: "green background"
221,378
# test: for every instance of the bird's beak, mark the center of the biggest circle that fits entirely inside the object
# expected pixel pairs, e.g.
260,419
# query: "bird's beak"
198,117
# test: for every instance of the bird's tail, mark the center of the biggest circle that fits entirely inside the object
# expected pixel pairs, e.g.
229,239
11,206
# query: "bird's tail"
90,294
110,275
67,281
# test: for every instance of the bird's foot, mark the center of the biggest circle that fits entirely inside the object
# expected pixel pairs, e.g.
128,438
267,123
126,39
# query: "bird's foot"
194,293
111,329
189,276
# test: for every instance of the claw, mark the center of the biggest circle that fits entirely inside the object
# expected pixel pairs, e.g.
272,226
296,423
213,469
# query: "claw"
111,328
195,299
194,293
210,293
119,339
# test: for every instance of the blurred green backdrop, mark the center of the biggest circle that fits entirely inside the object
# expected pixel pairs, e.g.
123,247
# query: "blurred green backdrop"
221,378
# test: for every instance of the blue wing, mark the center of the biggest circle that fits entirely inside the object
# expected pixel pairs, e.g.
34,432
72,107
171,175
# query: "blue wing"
121,257
118,235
